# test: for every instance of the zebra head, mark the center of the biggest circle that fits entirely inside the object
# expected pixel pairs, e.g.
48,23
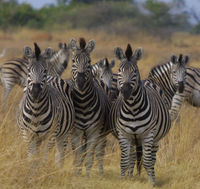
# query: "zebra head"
105,73
81,62
37,72
178,71
128,74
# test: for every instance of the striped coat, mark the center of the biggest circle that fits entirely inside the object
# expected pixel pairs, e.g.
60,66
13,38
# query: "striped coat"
46,111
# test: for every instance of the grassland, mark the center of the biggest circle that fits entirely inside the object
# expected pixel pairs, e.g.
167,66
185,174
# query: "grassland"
178,159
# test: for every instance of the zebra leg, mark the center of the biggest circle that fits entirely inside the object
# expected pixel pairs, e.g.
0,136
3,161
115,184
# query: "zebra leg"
48,147
92,140
76,140
177,101
100,152
132,160
33,146
147,154
125,154
154,151
61,145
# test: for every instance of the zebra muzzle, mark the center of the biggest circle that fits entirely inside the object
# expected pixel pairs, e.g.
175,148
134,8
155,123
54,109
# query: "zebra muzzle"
126,91
36,90
80,80
180,87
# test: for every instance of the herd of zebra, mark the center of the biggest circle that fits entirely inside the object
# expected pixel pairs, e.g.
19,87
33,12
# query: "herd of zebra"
95,102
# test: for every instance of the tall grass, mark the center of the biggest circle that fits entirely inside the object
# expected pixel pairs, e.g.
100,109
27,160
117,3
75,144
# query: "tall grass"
177,165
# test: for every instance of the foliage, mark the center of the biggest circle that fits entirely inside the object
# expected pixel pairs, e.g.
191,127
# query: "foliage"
112,16
196,29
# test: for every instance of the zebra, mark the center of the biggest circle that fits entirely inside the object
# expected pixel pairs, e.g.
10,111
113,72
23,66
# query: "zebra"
91,109
171,78
139,116
14,71
46,111
102,71
191,92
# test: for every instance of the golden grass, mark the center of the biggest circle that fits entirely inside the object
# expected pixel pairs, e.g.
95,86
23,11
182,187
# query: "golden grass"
177,165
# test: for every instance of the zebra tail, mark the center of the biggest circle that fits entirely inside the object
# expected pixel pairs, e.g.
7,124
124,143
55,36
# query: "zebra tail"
138,155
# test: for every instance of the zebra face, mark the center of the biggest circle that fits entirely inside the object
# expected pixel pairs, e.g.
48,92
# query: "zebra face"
36,80
81,63
105,73
178,71
37,74
128,74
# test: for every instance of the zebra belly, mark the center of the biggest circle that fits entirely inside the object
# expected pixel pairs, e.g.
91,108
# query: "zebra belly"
134,128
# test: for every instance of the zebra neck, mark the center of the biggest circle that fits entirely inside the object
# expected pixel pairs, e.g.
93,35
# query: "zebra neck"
89,87
161,76
43,98
136,98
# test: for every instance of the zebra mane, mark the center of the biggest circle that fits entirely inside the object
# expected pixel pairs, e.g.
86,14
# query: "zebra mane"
128,52
82,43
154,68
37,51
180,59
106,62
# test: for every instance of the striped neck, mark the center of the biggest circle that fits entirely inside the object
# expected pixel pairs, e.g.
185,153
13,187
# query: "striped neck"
161,76
44,95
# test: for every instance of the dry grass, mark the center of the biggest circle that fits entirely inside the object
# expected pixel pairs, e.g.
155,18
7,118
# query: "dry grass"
178,164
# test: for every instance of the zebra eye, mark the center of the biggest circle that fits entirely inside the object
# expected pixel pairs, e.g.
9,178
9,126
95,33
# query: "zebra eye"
73,60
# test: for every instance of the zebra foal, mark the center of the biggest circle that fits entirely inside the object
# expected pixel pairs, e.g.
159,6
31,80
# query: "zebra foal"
46,111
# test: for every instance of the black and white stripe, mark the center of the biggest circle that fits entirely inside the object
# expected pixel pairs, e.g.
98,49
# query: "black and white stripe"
14,71
170,77
91,109
46,110
139,116
102,71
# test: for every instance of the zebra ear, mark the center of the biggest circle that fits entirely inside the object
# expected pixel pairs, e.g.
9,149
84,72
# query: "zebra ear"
186,59
106,63
48,53
90,47
28,53
60,45
138,53
173,59
119,53
101,63
112,63
72,44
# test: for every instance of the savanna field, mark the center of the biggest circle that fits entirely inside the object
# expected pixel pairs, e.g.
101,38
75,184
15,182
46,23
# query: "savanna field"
178,159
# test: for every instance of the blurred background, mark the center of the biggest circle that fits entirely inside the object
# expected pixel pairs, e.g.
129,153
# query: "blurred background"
160,27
